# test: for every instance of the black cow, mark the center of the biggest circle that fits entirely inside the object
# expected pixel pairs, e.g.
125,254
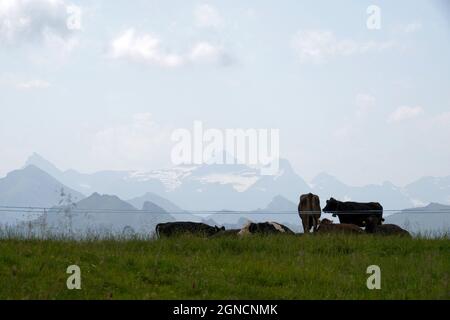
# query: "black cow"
354,212
176,228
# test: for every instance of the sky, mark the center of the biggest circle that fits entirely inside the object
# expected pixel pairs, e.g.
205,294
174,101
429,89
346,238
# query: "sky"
102,85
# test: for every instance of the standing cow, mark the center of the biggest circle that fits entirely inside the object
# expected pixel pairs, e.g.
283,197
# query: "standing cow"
354,212
309,211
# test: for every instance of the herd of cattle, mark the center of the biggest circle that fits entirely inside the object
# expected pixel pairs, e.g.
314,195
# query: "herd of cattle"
354,218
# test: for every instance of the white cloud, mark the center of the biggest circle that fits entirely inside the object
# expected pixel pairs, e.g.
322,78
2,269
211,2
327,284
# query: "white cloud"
148,48
318,46
38,20
205,52
404,113
34,84
143,48
207,16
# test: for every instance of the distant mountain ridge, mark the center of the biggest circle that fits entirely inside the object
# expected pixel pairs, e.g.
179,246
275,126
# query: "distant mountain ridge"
431,207
99,215
33,187
167,205
430,189
238,187
434,217
389,195
280,204
104,202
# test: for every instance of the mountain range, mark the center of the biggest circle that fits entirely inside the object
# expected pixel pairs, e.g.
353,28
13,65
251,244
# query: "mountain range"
218,194
238,187
98,215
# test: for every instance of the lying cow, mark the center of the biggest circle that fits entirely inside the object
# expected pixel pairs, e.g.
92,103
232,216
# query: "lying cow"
327,226
373,227
230,232
309,211
264,228
176,228
354,212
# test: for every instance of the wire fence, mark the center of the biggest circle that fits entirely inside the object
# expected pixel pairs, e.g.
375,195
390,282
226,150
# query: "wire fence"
71,222
74,209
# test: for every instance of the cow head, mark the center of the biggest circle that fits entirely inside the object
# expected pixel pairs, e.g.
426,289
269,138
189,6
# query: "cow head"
326,221
331,206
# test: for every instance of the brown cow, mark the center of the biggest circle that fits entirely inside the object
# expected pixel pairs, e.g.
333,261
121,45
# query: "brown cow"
309,211
374,227
327,226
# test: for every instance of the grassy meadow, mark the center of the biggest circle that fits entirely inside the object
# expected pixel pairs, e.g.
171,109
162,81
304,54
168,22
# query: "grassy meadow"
257,267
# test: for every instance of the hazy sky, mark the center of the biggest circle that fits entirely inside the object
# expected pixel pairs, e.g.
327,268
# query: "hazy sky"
107,91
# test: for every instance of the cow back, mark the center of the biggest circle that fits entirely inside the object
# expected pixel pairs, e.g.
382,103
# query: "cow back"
309,203
358,212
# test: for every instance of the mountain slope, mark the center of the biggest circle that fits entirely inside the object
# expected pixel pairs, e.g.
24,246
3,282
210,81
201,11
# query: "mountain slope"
389,195
153,203
38,161
431,219
280,204
104,202
100,216
430,189
150,207
157,200
125,184
32,187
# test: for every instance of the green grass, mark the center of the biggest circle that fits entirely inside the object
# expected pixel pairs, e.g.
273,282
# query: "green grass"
275,267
